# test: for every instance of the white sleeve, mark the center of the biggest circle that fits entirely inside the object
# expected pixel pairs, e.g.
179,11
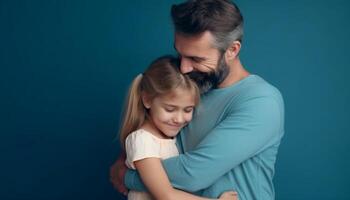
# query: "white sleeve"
140,145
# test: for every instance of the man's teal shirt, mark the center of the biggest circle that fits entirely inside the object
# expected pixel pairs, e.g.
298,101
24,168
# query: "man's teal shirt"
231,143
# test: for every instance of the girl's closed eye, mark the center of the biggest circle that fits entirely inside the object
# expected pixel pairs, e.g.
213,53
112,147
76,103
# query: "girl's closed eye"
188,110
169,109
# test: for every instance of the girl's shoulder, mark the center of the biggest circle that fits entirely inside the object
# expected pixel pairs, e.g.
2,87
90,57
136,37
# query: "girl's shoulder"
141,144
141,133
141,137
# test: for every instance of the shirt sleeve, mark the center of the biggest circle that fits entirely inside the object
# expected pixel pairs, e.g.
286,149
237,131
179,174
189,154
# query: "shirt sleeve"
140,145
245,132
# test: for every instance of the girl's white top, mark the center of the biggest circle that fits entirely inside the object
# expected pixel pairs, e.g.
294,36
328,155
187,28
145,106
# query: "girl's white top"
142,144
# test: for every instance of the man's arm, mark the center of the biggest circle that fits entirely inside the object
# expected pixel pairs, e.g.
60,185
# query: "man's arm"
154,176
245,132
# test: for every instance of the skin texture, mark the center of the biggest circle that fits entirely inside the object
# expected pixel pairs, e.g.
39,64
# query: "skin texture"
198,53
167,116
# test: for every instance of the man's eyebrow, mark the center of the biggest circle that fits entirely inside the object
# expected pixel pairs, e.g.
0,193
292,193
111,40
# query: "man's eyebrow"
197,58
191,57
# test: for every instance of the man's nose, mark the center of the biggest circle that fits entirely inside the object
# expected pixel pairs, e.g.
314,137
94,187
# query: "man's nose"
186,66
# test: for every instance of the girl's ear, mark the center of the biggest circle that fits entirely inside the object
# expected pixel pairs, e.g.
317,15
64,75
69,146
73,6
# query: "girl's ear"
146,101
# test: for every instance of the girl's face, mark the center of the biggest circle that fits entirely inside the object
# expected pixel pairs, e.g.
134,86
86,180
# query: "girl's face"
169,113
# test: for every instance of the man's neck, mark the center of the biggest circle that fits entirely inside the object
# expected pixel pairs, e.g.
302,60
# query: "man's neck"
237,73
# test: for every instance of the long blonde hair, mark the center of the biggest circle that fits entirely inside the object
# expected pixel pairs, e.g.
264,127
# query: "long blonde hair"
161,77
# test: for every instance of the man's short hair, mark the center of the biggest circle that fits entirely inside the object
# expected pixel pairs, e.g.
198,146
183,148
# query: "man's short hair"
221,17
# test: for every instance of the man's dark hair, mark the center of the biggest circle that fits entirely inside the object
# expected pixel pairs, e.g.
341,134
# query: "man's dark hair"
221,17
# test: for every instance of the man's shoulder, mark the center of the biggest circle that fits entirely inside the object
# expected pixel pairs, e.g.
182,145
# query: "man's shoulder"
256,86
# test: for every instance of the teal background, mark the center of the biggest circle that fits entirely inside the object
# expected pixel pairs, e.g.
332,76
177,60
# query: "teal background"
65,67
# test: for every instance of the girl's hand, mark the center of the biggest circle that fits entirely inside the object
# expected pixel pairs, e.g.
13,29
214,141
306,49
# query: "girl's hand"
229,195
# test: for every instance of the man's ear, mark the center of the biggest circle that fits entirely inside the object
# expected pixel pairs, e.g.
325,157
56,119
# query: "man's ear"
233,50
146,100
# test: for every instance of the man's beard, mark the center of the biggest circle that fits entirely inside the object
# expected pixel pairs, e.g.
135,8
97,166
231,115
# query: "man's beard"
210,80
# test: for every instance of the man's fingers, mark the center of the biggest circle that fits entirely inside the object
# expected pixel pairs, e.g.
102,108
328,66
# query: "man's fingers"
116,174
122,189
234,193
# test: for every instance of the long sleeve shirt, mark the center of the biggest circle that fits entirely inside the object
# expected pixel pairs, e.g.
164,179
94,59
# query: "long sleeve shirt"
231,143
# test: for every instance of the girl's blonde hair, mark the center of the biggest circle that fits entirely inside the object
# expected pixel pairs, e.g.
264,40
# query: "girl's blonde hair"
161,77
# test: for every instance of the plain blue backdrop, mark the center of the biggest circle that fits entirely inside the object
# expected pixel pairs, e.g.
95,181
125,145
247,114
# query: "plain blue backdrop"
66,65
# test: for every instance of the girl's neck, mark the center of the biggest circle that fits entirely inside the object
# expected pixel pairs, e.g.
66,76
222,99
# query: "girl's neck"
150,127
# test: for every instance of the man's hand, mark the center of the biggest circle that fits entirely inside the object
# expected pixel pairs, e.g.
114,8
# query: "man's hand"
117,172
229,195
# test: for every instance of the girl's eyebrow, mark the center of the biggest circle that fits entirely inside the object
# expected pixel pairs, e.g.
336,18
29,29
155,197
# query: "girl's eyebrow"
174,106
169,105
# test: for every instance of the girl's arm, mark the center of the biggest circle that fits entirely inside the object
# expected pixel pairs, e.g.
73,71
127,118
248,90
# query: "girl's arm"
154,177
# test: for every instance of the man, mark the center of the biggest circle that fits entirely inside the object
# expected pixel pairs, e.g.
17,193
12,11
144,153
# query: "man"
233,139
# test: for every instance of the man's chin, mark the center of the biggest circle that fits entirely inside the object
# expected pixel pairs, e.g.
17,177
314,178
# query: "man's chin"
205,88
204,81
205,85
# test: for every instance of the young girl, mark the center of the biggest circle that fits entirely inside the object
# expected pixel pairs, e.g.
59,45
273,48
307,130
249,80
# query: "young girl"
159,104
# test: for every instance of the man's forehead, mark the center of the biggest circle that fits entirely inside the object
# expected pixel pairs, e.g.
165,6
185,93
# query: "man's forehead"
198,43
205,38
